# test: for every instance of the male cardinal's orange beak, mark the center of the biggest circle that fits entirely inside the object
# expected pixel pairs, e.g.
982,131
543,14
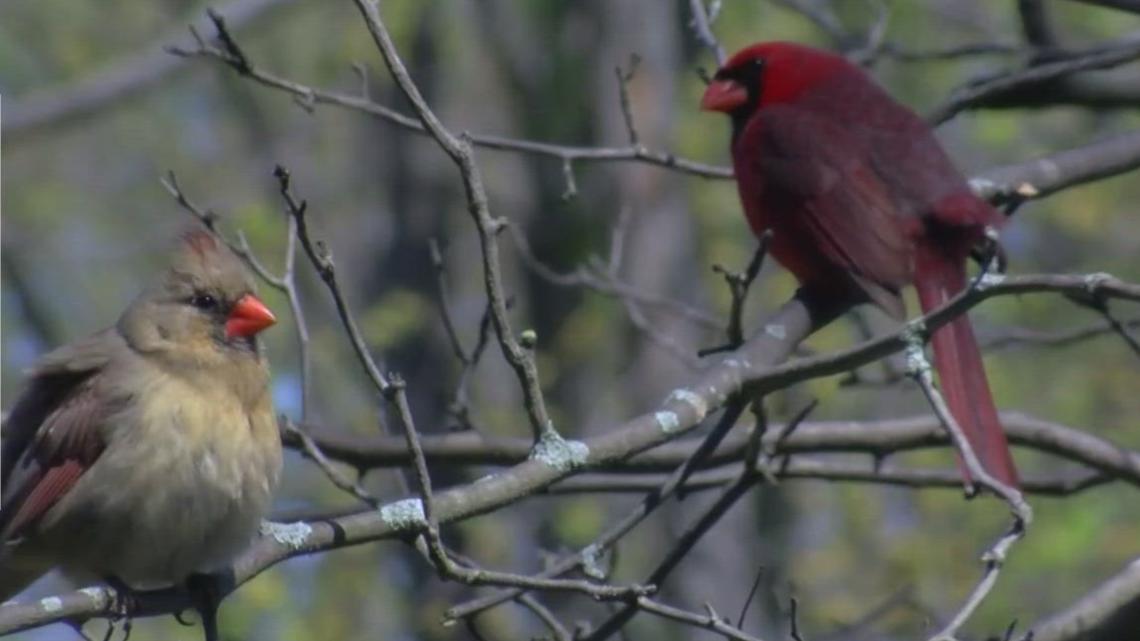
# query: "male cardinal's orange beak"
724,95
248,317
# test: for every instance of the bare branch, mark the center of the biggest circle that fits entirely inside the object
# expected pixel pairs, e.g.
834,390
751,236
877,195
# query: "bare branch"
751,367
459,149
122,79
1040,177
428,523
546,616
1037,27
877,438
314,453
993,90
1096,161
709,621
1108,612
994,558
1020,336
587,557
322,261
623,79
701,22
801,468
442,297
738,286
749,476
608,284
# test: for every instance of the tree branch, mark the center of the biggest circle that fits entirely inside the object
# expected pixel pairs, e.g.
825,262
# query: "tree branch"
1110,611
121,80
877,438
751,368
459,150
1007,88
1110,157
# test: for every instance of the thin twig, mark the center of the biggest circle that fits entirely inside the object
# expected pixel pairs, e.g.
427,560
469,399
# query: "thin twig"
322,261
460,405
979,93
567,154
442,298
623,79
738,285
753,367
701,22
607,285
459,150
441,559
692,535
1099,304
994,558
586,557
805,468
709,621
240,62
314,453
750,597
794,619
1019,336
546,616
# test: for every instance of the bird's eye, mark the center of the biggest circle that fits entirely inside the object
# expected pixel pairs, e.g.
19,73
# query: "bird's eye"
203,301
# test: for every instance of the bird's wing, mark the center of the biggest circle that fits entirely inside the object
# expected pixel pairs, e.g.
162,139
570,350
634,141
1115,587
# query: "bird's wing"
52,435
819,176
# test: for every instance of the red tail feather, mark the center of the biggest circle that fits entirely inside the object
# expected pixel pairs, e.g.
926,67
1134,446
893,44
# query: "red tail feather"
959,364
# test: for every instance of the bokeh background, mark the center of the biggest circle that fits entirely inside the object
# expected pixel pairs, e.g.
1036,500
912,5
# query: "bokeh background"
86,223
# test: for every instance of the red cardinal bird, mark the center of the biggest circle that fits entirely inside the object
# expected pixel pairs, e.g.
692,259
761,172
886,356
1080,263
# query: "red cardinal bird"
860,200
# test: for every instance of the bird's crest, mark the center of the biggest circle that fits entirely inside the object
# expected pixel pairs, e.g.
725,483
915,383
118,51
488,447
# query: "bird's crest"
200,241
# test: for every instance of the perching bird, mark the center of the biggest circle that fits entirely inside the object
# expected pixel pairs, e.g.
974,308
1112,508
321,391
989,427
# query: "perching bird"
147,452
861,201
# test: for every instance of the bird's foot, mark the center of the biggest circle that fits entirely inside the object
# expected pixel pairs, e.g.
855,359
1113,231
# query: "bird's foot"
123,605
206,594
989,254
124,602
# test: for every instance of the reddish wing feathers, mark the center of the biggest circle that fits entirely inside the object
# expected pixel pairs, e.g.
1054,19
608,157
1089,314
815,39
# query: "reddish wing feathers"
898,147
52,437
42,396
811,187
50,484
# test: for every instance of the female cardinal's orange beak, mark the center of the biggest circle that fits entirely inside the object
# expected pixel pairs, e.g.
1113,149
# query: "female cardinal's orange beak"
724,95
248,317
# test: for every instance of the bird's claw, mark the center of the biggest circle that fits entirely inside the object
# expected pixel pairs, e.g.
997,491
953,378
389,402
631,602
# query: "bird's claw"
205,593
989,254
180,617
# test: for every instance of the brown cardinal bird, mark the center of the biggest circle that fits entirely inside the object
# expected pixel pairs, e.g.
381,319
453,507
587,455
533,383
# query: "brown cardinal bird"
861,200
148,452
